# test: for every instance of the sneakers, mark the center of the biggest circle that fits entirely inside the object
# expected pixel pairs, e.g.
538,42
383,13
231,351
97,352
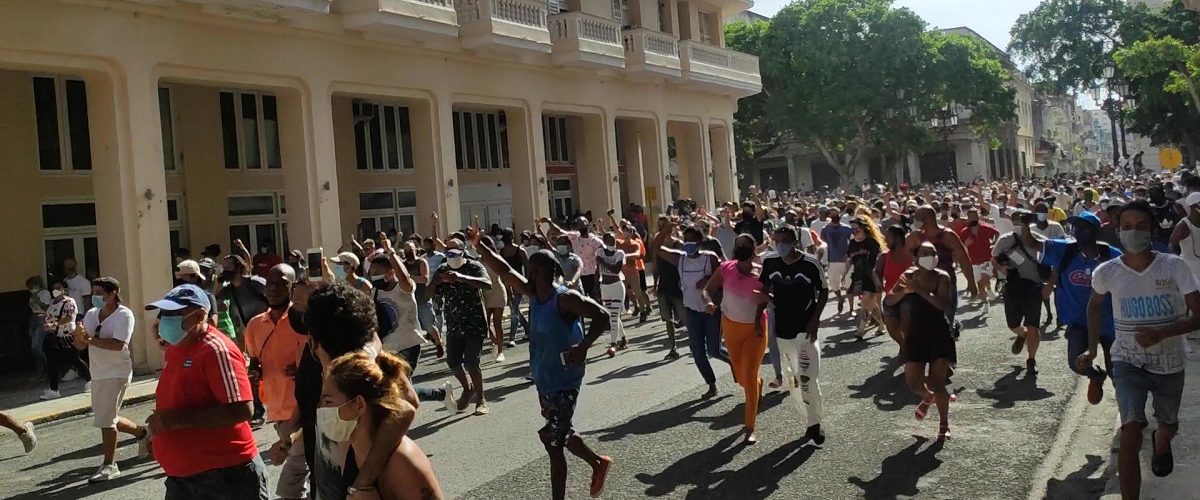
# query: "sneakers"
510,344
87,387
991,296
448,399
813,435
599,474
1018,344
70,375
49,394
672,355
499,357
28,438
1031,366
481,409
144,451
104,473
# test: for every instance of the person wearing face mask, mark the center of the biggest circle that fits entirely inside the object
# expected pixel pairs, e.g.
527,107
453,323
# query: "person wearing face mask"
611,260
200,426
979,237
77,286
585,245
634,269
1155,302
865,247
667,290
1046,229
950,250
557,357
888,269
241,294
274,348
357,395
1023,287
345,268
515,256
1185,238
570,263
743,322
106,331
190,272
695,267
796,284
59,345
460,282
922,295
39,301
748,223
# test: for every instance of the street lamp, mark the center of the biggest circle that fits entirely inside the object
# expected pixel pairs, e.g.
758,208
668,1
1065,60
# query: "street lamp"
1116,98
944,124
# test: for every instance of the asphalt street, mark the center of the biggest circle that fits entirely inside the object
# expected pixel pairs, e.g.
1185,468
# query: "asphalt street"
666,442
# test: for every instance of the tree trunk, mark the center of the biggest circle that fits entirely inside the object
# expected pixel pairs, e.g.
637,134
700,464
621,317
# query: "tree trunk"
845,163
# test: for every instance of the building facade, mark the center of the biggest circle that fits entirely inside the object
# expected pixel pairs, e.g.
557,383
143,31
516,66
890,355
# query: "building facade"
135,127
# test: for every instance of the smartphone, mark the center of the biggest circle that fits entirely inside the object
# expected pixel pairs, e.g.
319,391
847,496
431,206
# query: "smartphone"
562,357
315,269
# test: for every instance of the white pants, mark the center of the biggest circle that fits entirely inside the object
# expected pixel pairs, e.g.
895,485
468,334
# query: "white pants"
293,479
837,276
613,297
803,359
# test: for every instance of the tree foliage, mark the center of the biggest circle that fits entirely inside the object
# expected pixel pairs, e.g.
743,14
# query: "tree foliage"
843,76
1180,62
1065,43
755,135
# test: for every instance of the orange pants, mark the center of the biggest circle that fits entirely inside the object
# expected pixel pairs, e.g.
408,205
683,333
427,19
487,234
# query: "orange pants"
746,351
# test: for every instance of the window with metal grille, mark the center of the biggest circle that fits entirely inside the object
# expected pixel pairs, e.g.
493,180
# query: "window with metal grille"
480,140
555,139
387,211
382,137
249,130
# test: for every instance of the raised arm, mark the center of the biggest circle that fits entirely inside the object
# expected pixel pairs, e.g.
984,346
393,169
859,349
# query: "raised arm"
552,228
514,280
405,281
438,244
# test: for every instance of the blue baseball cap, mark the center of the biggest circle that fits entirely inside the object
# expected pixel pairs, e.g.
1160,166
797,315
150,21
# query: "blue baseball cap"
180,297
1085,216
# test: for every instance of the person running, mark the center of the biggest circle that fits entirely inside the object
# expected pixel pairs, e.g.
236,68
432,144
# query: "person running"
865,246
274,348
667,290
1155,303
796,283
1074,264
59,344
837,241
368,391
494,300
106,330
460,282
923,294
630,242
610,261
200,425
557,355
23,431
515,256
978,237
584,244
1023,287
888,269
743,322
695,267
950,251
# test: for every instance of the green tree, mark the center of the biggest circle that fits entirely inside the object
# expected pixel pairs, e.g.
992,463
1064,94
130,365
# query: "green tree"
1066,43
754,134
1180,62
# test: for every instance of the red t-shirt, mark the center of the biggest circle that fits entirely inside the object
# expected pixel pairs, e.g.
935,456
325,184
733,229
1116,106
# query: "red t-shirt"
208,372
979,245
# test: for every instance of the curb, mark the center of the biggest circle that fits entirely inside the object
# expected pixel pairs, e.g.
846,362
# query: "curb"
1070,423
75,412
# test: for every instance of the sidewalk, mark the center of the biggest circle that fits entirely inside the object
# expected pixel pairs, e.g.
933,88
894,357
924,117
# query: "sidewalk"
24,405
1184,481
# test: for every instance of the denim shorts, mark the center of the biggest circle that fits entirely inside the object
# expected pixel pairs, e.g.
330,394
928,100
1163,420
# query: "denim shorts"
427,317
1134,385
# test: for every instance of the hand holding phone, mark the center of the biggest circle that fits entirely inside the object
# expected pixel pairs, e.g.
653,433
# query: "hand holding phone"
316,260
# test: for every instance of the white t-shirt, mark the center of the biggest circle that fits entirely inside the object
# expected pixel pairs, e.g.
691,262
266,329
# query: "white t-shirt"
56,311
617,258
1002,223
1053,231
104,363
1152,298
406,333
77,288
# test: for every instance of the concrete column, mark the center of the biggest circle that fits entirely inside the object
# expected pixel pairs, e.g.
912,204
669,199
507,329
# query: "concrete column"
691,152
670,15
131,202
597,164
652,144
643,13
627,136
527,165
689,26
445,173
426,146
310,167
725,186
914,168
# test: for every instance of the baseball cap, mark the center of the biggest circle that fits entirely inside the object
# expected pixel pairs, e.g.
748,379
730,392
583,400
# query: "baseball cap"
180,297
454,252
1191,200
346,258
1084,216
187,267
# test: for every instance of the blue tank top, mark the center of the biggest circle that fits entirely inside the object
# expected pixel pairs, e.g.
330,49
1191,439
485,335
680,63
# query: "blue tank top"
551,335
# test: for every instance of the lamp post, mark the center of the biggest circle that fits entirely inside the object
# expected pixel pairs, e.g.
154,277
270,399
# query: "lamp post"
944,124
1116,98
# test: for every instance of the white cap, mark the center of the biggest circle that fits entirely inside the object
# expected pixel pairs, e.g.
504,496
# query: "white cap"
346,258
187,267
1191,199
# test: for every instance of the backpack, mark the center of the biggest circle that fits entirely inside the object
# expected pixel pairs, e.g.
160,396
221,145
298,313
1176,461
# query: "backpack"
1042,269
1072,250
386,315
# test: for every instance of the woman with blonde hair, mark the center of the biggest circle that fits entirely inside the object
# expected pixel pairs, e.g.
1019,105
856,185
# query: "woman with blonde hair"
357,395
866,243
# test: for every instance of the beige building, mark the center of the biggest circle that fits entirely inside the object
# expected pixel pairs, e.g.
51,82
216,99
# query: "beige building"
131,127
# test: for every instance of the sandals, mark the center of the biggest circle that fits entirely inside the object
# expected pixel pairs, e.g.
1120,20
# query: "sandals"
923,409
1161,465
944,432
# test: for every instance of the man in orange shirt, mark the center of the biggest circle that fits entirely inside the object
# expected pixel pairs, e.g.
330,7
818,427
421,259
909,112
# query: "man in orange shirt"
275,349
634,269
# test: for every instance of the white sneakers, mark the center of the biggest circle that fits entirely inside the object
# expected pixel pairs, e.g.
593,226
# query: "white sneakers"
49,394
70,375
104,473
28,438
87,387
449,400
499,357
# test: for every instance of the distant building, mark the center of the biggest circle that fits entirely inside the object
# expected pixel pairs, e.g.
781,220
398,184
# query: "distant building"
747,16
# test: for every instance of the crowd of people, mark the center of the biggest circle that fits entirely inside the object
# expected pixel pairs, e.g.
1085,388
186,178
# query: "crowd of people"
327,356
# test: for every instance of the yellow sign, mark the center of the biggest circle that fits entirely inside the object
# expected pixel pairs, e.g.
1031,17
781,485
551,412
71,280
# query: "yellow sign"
651,193
1170,158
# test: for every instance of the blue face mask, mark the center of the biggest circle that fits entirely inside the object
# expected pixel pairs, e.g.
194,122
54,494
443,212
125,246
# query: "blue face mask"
691,248
564,249
97,301
783,248
170,328
340,272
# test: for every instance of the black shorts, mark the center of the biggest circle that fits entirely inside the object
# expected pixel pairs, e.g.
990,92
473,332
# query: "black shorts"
591,285
1022,306
463,350
558,408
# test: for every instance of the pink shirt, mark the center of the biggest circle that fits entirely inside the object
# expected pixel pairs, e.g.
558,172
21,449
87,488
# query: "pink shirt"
585,248
739,303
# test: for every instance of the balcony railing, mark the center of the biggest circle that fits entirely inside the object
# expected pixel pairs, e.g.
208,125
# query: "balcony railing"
415,19
718,67
572,25
524,12
652,41
651,53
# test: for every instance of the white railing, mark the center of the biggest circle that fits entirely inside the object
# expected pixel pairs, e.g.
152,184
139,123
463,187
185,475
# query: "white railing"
721,57
570,25
440,3
525,12
651,41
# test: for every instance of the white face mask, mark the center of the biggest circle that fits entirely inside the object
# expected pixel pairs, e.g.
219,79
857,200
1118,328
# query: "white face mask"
927,262
456,262
332,425
56,293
